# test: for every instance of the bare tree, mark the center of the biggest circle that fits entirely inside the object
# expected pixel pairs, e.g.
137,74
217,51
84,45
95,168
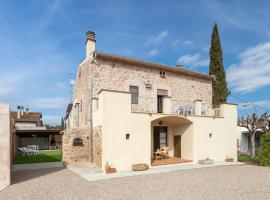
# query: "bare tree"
253,123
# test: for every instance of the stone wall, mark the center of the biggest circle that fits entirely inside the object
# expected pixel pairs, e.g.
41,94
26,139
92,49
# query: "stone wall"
181,88
75,153
5,146
81,93
97,145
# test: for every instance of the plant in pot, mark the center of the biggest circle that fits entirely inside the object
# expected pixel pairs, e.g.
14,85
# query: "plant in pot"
229,159
109,168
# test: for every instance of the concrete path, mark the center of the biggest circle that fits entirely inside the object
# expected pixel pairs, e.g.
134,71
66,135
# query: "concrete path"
91,173
34,166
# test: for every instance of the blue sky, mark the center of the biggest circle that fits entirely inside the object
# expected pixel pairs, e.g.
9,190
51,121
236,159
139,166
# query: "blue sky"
42,43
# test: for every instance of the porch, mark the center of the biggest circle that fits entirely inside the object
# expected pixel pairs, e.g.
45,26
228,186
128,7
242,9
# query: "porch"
169,161
171,141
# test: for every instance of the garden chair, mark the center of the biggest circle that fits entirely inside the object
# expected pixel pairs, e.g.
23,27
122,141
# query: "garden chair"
180,110
165,151
25,151
34,149
204,109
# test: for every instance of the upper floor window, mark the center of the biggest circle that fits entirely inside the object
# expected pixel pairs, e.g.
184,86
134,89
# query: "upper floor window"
134,90
162,74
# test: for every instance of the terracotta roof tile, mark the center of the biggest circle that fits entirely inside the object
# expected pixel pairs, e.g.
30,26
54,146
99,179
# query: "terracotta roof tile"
30,117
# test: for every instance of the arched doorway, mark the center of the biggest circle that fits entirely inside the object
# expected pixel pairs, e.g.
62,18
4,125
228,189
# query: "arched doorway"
174,134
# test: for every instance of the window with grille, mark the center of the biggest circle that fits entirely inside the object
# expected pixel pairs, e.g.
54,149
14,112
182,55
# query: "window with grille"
134,90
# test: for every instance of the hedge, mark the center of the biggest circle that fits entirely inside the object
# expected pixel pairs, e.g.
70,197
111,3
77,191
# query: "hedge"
264,151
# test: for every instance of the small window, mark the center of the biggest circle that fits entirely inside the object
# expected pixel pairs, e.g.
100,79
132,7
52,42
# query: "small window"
127,136
134,90
81,106
162,74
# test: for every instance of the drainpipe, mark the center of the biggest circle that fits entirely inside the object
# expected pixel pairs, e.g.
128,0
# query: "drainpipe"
91,60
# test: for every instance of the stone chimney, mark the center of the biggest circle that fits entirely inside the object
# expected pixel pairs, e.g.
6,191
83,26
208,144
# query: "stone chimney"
18,112
90,43
22,110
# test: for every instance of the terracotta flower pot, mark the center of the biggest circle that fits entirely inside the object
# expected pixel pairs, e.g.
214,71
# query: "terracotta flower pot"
110,170
229,160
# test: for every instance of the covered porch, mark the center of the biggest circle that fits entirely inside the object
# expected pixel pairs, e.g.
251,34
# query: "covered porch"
171,140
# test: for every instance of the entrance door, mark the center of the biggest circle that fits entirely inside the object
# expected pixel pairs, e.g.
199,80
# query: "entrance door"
160,137
177,146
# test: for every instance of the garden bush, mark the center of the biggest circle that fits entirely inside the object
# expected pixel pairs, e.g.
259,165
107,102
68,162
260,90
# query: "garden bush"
264,151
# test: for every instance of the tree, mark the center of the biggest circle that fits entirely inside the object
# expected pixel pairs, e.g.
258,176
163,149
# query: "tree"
253,123
62,124
216,68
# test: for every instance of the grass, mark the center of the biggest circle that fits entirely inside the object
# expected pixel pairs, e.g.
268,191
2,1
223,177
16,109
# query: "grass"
247,159
42,156
244,158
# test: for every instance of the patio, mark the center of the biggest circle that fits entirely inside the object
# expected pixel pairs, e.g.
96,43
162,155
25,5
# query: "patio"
168,161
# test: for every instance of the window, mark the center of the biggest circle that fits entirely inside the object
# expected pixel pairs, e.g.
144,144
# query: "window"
81,106
162,74
163,139
134,90
127,136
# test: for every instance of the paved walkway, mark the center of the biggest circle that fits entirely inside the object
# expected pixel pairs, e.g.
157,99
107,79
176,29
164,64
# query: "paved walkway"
33,166
91,173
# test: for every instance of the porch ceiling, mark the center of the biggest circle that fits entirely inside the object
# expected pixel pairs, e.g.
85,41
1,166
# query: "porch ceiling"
172,120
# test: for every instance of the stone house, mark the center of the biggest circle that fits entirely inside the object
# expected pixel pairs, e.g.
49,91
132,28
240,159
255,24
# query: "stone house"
124,110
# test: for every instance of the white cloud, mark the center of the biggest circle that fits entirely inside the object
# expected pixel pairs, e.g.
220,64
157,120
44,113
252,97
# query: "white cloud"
153,52
158,39
193,60
47,103
51,119
188,42
180,42
253,70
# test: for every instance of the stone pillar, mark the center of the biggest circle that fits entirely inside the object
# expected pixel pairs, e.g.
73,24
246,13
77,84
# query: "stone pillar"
198,107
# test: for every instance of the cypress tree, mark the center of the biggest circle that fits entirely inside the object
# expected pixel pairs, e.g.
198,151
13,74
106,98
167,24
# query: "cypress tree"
216,68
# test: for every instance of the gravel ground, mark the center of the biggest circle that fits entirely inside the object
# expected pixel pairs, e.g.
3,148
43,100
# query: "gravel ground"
227,182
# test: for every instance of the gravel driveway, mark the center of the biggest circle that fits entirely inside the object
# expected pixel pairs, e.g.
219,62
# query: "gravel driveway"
228,182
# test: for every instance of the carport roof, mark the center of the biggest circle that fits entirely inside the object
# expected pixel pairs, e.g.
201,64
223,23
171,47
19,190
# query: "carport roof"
37,132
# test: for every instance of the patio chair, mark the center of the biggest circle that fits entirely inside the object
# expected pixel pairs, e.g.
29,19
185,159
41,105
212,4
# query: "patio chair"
34,149
165,151
25,151
204,109
180,110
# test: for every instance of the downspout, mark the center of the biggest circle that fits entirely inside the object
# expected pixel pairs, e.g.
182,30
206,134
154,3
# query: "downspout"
90,107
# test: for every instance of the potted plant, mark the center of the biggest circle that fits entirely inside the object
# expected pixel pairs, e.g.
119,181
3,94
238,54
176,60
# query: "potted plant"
229,159
139,167
109,168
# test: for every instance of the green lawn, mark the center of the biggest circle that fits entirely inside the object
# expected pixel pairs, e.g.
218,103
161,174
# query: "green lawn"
244,158
42,156
248,160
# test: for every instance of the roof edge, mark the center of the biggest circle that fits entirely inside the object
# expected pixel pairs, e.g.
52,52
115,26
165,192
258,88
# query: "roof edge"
130,60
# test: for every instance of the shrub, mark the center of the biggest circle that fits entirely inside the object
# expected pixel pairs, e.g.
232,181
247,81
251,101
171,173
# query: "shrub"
264,151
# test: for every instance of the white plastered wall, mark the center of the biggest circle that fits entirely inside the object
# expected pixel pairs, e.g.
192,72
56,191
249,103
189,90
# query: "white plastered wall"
5,148
117,120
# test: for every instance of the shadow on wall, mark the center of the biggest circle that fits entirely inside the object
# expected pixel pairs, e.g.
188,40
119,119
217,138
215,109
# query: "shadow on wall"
25,175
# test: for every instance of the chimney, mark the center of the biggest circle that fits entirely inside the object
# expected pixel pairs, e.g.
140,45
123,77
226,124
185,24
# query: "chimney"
22,110
90,43
18,112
